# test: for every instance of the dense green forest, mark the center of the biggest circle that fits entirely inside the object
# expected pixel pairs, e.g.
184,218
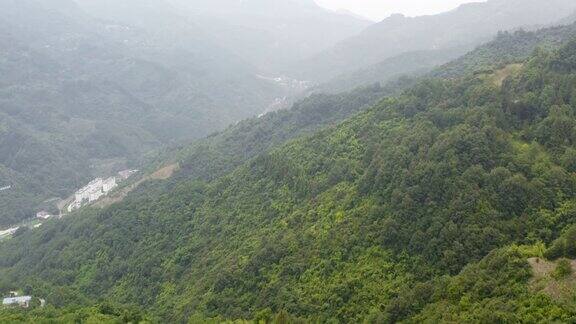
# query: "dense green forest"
451,202
221,152
102,313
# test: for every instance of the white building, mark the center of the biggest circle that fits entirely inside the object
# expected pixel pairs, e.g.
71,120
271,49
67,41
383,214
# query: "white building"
23,301
87,191
81,195
95,195
109,184
43,215
9,231
92,192
94,185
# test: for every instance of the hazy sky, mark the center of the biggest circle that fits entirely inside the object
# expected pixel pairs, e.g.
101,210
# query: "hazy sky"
380,9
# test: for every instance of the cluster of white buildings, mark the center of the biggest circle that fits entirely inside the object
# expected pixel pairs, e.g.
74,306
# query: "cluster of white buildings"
8,232
6,188
93,191
97,189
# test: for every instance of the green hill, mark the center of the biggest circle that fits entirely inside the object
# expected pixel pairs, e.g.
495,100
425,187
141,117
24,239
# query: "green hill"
425,207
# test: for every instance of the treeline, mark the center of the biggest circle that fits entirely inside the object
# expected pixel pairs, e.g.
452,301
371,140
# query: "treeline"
506,48
104,313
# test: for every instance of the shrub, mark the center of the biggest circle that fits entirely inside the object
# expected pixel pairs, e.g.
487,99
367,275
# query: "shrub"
563,269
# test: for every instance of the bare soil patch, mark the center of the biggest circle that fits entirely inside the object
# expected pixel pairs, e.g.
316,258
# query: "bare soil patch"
560,290
119,195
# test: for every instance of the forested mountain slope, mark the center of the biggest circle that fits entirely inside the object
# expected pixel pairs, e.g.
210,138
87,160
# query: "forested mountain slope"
408,211
463,28
222,152
411,64
82,97
505,48
219,153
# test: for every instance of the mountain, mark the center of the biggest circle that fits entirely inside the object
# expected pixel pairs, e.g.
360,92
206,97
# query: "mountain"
413,64
450,202
221,153
116,80
463,28
506,48
80,97
268,34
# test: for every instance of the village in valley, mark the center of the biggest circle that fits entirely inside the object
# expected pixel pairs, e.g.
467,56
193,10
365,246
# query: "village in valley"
92,192
89,194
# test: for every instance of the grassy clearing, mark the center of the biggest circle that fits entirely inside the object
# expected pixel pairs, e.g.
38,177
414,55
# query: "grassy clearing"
562,290
500,75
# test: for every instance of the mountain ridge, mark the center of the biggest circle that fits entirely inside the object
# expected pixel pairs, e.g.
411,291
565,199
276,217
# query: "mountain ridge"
466,27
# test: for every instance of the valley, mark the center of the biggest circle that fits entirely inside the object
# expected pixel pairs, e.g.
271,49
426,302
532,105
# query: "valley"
273,161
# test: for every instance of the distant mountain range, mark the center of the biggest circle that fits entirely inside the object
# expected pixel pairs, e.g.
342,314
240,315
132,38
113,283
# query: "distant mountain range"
269,34
461,29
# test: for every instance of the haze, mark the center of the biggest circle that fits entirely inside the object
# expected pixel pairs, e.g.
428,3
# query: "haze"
380,9
277,161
